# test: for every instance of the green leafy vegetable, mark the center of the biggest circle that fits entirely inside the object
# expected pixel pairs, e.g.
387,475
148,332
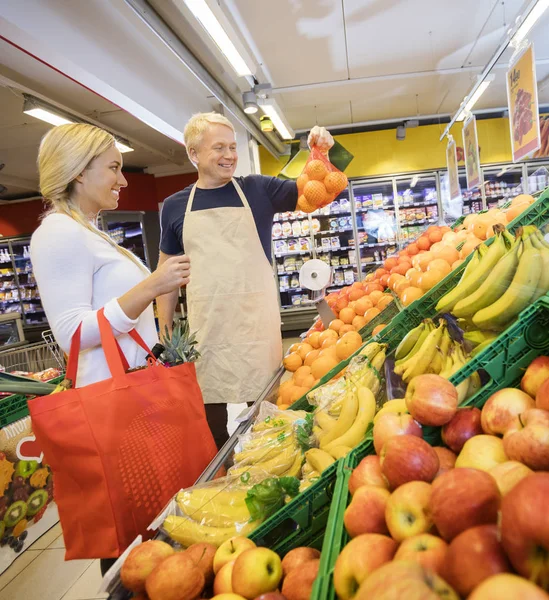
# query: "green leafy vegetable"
304,432
265,498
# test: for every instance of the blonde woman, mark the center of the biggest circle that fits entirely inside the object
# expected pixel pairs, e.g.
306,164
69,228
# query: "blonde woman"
78,268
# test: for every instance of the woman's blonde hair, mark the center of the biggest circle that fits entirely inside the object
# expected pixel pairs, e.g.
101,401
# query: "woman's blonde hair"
65,152
197,126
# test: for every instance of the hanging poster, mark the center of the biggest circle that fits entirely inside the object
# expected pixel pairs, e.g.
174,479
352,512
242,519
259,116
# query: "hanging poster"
472,156
451,161
522,97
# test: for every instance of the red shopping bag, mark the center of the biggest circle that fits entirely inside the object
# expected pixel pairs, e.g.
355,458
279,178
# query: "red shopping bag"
119,449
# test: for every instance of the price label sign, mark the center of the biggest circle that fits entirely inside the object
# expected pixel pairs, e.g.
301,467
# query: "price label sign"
471,151
451,161
522,97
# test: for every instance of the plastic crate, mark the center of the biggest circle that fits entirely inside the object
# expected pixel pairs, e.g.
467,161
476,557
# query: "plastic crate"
504,361
384,317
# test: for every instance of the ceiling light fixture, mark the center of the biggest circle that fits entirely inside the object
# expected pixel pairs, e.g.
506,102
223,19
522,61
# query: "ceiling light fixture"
468,107
529,22
401,133
266,124
272,110
250,103
209,21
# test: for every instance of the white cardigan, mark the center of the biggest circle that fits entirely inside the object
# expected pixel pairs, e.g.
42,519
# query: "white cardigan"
78,273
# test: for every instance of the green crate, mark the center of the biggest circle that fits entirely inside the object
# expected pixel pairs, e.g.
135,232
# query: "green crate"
385,316
504,361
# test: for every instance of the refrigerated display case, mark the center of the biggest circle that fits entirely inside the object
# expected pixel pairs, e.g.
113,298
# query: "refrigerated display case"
503,183
470,201
538,177
11,331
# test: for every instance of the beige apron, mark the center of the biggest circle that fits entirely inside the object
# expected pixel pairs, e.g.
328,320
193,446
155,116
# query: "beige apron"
232,302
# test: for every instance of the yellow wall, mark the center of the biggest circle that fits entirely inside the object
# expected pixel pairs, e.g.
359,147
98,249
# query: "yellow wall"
379,152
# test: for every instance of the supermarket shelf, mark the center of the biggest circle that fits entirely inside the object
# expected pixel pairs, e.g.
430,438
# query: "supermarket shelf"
10,301
10,274
420,222
377,244
290,219
297,289
288,273
320,250
418,204
332,231
373,262
293,253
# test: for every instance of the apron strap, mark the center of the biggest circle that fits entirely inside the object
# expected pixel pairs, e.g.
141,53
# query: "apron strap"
238,189
191,199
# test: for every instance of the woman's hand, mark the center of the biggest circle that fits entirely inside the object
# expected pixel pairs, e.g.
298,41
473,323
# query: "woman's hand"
321,138
171,275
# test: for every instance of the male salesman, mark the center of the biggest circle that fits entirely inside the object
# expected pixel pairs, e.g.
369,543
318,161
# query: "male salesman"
224,226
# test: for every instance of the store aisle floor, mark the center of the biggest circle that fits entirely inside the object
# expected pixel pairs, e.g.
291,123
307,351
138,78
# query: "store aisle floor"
41,573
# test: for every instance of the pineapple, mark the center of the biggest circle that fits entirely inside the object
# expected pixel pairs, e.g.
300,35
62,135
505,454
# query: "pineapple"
180,346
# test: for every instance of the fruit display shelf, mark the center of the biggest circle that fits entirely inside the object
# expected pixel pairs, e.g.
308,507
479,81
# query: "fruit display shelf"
504,362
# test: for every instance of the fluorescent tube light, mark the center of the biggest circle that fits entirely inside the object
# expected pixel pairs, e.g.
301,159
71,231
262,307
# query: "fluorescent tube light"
525,27
204,14
474,98
47,116
271,109
414,181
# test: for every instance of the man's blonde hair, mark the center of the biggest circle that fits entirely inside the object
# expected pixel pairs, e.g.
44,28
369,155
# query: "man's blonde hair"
197,126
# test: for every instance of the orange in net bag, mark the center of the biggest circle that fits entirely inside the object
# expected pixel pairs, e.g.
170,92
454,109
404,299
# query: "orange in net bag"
320,182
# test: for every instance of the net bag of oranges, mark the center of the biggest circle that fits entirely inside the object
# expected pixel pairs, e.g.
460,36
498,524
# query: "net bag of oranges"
320,182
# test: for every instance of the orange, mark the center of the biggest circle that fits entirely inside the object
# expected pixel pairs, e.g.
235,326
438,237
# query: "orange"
331,341
449,239
393,279
438,264
423,243
359,322
456,264
308,382
331,352
342,302
304,349
297,393
371,314
390,263
347,315
286,392
315,193
436,247
514,211
306,205
294,347
379,272
301,374
375,296
363,305
470,244
356,294
413,249
429,279
301,181
412,275
522,198
402,268
373,287
384,280
378,328
336,324
401,286
316,170
292,362
447,253
410,294
329,333
323,365
335,182
424,260
348,345
311,357
370,277
385,301
445,229
345,329
314,339
435,235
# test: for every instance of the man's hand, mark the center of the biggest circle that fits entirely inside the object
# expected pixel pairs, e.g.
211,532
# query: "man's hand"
321,138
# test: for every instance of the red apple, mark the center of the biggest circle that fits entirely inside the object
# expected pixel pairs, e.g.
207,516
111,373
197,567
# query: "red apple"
404,581
360,557
507,587
267,596
408,458
296,557
367,472
140,563
527,439
407,511
223,579
299,583
464,425
255,572
393,424
501,408
366,513
542,397
508,474
525,527
176,578
202,554
482,452
473,556
431,399
536,374
426,549
446,459
463,498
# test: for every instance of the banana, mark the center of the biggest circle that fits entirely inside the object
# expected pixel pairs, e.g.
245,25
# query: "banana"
459,361
186,532
215,514
275,466
448,365
339,451
271,449
477,337
318,459
371,349
295,469
345,420
409,341
419,363
439,359
371,381
543,283
474,385
201,496
391,406
429,326
324,420
355,434
492,288
483,346
307,469
267,437
518,295
470,283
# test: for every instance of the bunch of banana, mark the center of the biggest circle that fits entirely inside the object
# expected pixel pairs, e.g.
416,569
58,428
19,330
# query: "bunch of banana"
455,360
308,476
187,531
286,461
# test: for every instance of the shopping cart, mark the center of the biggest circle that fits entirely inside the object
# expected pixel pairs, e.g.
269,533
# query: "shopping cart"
34,358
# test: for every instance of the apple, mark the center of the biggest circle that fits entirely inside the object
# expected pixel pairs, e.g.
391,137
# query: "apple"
463,498
482,452
366,512
175,578
527,439
446,459
473,556
404,581
502,407
367,472
202,554
431,399
408,458
464,425
407,511
230,549
426,549
223,579
360,557
542,397
140,563
507,586
255,572
268,596
535,375
231,596
296,557
525,527
299,583
393,424
508,474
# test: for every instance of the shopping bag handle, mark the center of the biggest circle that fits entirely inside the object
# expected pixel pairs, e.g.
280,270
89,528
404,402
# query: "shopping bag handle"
114,356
